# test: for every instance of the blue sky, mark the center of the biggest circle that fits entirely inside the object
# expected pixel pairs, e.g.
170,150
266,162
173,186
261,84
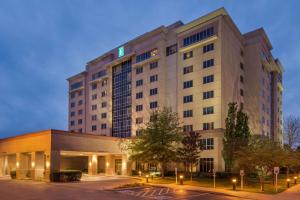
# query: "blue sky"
44,42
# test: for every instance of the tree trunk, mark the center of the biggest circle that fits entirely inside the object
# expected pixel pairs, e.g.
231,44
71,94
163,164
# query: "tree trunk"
262,183
191,166
162,170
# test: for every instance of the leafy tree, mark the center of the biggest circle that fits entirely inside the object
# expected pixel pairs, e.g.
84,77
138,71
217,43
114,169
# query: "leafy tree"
159,140
236,134
190,151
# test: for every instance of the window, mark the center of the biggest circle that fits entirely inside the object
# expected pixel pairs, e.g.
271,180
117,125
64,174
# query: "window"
103,94
76,85
94,107
241,92
242,53
80,130
99,74
208,110
94,128
208,79
94,117
72,104
187,84
138,108
207,143
188,99
153,91
103,104
72,95
198,36
188,69
208,47
153,104
72,123
103,126
79,121
188,113
208,126
94,96
139,70
208,94
153,65
187,128
103,115
153,78
241,79
146,55
80,102
139,95
242,66
139,82
171,49
72,114
104,83
208,63
80,112
187,55
139,120
206,164
79,93
94,86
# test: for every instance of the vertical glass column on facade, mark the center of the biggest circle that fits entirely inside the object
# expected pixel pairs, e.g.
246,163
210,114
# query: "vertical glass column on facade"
121,100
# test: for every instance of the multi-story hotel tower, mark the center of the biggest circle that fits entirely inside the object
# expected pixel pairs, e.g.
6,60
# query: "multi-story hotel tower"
196,69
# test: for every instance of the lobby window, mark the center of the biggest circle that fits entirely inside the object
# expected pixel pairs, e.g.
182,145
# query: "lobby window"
139,70
208,63
209,47
242,66
206,164
208,79
187,55
80,102
153,104
171,49
188,113
72,123
80,112
241,79
72,114
188,69
72,104
139,120
188,99
94,117
241,92
79,121
153,91
208,126
94,86
139,82
103,126
153,78
94,128
103,115
208,110
187,84
153,65
94,96
198,36
208,94
103,104
139,95
187,128
207,143
138,108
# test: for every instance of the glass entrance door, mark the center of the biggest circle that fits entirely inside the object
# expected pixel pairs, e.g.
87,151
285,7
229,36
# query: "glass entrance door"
118,166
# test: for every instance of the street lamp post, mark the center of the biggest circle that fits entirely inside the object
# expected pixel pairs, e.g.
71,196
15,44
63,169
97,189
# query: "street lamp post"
234,183
288,182
295,180
147,178
181,179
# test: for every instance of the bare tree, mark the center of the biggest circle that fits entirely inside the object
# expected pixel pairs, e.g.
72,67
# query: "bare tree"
292,131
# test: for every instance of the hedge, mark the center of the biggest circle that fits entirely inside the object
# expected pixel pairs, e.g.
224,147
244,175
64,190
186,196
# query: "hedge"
66,176
13,174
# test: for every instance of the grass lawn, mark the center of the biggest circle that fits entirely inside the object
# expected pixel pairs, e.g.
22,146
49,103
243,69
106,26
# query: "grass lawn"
226,184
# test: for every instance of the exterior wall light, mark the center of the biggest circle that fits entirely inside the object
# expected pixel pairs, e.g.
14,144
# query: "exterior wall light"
32,164
90,163
17,164
94,158
107,164
47,164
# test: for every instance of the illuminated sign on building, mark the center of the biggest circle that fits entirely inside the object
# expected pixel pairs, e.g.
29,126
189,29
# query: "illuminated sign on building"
121,51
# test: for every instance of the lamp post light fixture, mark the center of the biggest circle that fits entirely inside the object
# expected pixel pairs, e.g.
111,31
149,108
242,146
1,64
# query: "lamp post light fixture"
288,182
147,178
234,183
181,179
295,180
140,173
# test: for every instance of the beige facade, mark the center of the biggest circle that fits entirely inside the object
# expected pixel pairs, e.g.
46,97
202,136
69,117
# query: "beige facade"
196,69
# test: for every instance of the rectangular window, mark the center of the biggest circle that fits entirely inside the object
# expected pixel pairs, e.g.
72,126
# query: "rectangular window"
241,79
153,104
188,99
139,82
103,94
99,74
242,66
209,47
198,36
72,105
187,128
187,55
103,115
94,86
208,79
146,55
139,108
139,70
76,85
80,112
153,78
208,94
207,143
153,91
206,164
103,126
94,107
208,63
208,110
187,84
104,83
94,117
79,93
188,69
139,120
72,95
72,123
94,96
103,104
171,49
208,126
139,95
153,65
72,114
188,113
80,102
242,92
94,128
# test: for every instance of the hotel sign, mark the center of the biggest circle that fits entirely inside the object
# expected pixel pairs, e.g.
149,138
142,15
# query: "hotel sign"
121,51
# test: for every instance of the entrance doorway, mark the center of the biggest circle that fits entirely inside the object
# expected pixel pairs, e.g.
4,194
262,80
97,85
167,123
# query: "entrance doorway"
118,166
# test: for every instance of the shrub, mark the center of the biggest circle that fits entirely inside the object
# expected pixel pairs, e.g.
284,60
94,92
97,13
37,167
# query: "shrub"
66,176
227,175
13,174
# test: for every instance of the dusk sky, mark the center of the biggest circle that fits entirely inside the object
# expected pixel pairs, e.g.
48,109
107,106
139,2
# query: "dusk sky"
44,42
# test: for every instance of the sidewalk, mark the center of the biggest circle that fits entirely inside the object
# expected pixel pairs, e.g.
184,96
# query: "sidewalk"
290,194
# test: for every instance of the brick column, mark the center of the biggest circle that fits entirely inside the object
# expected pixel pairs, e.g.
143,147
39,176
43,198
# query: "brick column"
52,163
33,166
18,166
109,165
126,165
93,165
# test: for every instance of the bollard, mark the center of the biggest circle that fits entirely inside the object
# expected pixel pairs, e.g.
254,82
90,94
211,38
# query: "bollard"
181,179
295,180
147,178
288,183
234,183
